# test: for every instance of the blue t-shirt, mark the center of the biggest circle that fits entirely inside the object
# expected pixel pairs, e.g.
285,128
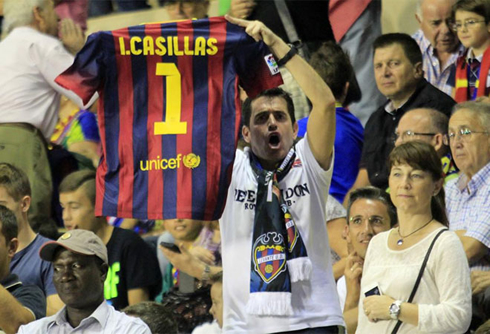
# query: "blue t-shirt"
349,137
31,269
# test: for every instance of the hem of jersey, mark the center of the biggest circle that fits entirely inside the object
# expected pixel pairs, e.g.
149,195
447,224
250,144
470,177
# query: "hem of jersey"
154,215
276,329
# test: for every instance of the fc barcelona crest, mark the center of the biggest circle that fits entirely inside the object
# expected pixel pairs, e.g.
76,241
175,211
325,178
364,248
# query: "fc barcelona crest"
269,256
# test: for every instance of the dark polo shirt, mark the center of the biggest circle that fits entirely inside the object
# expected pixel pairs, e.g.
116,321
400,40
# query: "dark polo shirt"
379,130
30,296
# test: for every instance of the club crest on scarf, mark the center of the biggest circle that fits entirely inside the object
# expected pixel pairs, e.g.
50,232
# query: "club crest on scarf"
269,256
291,228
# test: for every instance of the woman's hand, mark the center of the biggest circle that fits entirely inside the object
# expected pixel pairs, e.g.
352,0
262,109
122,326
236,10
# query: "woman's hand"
377,307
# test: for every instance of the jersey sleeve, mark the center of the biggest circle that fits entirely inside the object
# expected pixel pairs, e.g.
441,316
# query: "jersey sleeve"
256,66
32,298
84,76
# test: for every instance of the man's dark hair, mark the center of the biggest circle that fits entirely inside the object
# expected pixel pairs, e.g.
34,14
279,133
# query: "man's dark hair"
334,67
408,44
15,181
479,7
374,194
75,180
270,93
9,224
158,317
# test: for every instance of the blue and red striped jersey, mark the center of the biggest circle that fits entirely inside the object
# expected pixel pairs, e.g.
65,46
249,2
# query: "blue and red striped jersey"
169,113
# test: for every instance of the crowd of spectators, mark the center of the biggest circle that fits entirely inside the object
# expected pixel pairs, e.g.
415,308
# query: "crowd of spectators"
393,127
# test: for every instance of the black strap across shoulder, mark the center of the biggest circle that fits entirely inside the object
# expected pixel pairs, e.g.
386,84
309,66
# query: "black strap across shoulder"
419,277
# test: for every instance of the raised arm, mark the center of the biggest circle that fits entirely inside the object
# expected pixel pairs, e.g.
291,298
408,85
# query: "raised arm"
321,124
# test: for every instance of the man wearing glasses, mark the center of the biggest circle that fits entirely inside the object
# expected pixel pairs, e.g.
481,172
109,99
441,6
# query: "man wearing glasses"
428,125
438,43
468,197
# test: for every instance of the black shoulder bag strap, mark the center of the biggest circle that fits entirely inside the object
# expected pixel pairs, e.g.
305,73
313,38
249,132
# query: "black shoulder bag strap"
419,277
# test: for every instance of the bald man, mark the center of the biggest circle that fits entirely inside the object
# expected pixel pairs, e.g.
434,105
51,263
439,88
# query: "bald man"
428,125
439,45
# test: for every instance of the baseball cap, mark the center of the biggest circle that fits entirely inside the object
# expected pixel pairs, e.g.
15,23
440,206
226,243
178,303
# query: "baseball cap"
78,241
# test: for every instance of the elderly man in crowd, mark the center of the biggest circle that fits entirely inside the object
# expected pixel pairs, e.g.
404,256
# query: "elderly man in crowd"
399,77
428,125
439,45
20,303
370,211
468,197
31,57
470,193
80,268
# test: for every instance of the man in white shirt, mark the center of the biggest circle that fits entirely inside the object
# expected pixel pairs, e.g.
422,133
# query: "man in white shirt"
370,211
305,300
31,57
80,268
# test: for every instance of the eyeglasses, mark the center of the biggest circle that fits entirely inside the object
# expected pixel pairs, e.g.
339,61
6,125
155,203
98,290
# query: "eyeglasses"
464,134
373,220
410,134
470,24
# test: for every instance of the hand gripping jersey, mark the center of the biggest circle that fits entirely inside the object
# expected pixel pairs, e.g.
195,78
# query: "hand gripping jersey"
169,113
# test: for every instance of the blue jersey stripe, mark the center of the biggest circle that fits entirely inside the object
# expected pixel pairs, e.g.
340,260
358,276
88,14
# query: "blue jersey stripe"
140,131
200,125
228,119
169,143
111,116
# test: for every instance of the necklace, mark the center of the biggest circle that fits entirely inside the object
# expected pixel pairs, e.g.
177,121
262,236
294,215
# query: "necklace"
400,241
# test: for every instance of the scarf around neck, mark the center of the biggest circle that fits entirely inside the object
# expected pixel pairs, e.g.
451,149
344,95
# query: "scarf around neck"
279,255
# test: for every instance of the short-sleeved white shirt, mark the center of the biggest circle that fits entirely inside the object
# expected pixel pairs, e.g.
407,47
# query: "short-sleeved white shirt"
315,303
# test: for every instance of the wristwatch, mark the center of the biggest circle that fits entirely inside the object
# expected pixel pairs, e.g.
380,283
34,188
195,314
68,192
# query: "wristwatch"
395,309
205,273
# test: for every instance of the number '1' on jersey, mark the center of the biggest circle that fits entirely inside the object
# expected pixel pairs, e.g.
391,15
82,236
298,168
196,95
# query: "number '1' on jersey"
169,113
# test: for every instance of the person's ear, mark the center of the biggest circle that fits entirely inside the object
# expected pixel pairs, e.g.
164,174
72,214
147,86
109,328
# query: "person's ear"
104,268
438,186
38,19
418,18
12,247
246,133
419,71
346,234
25,203
295,129
438,141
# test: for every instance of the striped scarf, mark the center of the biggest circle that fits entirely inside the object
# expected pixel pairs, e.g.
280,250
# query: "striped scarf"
462,92
279,255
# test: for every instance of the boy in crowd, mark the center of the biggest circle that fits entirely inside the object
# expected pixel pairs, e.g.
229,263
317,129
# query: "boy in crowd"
472,23
133,274
15,194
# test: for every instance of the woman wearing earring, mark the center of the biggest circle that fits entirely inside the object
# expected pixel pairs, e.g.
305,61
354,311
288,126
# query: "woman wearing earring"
442,299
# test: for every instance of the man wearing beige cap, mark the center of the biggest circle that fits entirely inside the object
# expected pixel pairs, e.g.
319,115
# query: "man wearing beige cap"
80,267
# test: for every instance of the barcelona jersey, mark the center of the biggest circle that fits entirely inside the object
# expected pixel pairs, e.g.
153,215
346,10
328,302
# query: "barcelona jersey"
169,113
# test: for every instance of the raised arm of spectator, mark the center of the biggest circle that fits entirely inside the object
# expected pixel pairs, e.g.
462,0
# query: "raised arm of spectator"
321,125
